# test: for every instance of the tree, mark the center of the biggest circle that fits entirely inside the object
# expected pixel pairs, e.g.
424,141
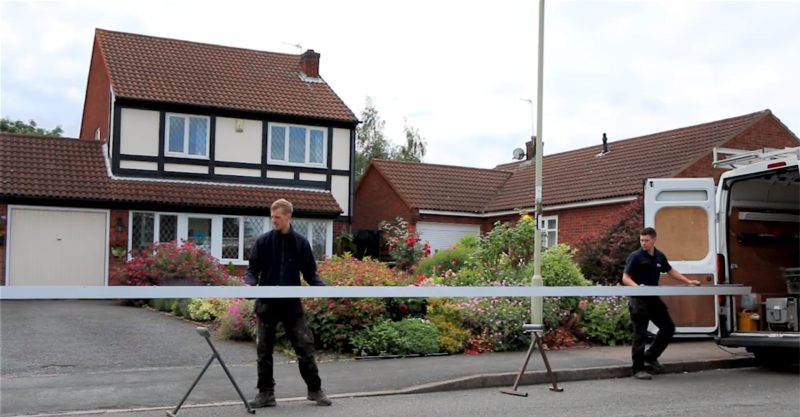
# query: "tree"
415,147
370,140
30,128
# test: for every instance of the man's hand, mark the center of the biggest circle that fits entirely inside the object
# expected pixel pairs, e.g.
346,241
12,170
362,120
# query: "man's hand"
693,282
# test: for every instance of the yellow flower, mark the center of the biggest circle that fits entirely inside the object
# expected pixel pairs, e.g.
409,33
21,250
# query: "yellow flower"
526,217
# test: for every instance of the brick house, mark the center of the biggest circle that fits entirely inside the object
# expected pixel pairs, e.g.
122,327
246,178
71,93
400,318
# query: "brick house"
585,191
179,141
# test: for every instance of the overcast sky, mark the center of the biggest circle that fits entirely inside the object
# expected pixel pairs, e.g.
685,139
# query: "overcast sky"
455,70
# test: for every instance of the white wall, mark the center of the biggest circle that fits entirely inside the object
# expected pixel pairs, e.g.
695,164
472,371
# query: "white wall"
233,146
139,132
341,149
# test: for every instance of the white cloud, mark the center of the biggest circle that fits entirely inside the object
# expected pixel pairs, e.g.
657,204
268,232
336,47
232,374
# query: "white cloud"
453,70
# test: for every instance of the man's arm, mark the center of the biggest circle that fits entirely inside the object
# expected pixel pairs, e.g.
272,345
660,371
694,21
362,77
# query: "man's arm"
253,267
628,280
675,274
309,267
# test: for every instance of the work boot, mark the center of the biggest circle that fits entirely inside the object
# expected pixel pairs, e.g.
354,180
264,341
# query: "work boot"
319,397
643,375
264,399
655,365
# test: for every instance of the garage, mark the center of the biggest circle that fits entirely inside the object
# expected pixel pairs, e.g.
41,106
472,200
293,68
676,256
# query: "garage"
444,235
56,246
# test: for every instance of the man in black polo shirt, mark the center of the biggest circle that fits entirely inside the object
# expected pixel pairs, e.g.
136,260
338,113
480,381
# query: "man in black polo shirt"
644,267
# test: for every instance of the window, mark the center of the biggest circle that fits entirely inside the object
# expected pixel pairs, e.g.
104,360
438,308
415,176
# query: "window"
549,229
316,231
186,136
228,238
296,145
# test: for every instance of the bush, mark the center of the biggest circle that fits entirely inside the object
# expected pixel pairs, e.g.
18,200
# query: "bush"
602,258
170,263
404,244
499,320
334,320
238,322
207,309
448,317
409,336
446,259
507,245
607,320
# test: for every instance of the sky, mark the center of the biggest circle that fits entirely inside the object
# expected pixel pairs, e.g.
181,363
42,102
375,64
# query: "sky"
457,71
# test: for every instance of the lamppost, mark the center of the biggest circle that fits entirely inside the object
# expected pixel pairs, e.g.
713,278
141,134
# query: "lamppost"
536,281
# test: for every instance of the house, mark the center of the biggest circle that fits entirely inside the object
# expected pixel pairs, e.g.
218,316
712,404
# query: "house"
584,191
179,141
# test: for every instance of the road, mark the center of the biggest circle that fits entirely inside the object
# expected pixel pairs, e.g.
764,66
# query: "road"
743,392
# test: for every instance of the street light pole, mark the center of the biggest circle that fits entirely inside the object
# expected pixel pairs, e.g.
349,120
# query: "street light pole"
537,302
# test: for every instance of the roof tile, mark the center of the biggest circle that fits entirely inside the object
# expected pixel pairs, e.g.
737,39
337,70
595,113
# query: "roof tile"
37,167
176,71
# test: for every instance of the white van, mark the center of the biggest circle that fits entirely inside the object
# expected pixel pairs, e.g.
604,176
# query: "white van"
744,231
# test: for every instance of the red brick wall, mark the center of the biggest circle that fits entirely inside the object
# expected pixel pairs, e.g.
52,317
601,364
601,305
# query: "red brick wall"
96,108
117,238
768,132
376,201
3,241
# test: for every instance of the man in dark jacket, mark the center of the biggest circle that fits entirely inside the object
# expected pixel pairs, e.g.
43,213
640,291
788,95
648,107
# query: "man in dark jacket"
277,258
644,267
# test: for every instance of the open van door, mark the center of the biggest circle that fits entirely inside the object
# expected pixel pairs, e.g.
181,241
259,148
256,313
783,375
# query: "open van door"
682,210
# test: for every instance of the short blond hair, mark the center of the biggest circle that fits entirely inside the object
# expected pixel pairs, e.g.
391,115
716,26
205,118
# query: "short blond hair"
284,205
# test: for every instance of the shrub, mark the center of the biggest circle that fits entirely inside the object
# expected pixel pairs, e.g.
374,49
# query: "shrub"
507,245
501,319
207,309
607,320
180,307
448,316
409,336
170,263
446,259
602,258
238,322
334,320
404,244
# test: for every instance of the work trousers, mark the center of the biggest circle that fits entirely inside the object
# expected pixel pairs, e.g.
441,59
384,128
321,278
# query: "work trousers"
644,310
289,312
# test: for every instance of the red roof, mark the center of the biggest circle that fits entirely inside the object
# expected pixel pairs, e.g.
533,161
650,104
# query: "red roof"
568,177
442,187
176,71
582,175
52,168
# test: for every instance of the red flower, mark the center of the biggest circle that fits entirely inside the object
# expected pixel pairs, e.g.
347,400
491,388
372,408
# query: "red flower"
403,308
421,278
411,241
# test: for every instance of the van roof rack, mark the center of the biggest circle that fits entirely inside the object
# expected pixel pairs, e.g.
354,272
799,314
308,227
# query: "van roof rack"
738,157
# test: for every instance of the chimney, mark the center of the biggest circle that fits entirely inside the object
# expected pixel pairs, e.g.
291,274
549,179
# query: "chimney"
309,63
605,143
530,149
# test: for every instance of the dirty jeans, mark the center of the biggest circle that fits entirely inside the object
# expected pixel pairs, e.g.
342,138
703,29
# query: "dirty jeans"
643,310
289,312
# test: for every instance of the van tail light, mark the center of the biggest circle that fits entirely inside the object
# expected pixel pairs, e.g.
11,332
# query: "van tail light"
776,165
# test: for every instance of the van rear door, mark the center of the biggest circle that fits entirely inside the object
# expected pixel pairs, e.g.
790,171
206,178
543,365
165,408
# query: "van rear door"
683,213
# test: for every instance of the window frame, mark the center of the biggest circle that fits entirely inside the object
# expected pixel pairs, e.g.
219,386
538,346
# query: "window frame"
216,243
307,150
544,230
186,137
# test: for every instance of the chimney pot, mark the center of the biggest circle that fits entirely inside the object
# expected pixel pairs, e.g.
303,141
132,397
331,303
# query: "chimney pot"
309,63
605,143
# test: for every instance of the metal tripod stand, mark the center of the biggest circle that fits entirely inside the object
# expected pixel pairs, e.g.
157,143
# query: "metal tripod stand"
202,331
536,331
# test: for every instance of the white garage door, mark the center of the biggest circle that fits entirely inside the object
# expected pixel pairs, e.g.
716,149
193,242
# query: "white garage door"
444,235
56,246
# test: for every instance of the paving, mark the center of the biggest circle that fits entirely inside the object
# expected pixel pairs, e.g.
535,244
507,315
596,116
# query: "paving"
164,373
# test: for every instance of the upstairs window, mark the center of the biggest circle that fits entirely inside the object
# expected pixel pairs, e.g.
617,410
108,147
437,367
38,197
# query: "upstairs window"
296,145
186,136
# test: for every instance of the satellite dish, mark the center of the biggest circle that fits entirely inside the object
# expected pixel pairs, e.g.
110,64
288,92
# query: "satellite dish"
518,154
